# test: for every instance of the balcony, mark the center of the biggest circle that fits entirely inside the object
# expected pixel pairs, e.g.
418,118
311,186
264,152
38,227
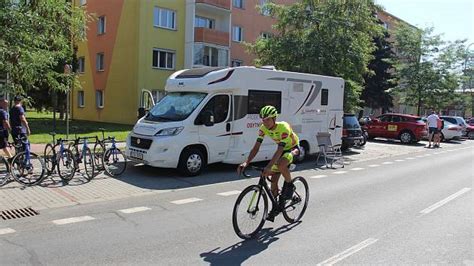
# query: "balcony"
206,35
225,4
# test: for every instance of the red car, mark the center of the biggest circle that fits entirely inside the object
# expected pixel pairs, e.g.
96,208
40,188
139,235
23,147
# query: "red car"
406,128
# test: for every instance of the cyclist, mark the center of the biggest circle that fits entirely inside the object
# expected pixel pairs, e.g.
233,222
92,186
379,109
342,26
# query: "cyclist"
288,146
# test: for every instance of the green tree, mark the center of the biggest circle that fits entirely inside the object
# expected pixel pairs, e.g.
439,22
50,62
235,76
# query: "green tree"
379,79
36,38
428,68
326,37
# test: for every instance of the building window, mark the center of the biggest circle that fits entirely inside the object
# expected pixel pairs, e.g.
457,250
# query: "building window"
163,59
238,3
258,99
385,25
202,22
164,18
237,34
324,96
236,63
99,62
265,35
99,99
158,95
83,2
101,25
210,56
80,98
81,64
264,9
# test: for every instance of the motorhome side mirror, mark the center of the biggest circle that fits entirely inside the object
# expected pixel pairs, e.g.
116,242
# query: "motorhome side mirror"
141,112
207,118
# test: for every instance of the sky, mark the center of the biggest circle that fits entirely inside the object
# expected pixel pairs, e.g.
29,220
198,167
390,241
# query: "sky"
453,18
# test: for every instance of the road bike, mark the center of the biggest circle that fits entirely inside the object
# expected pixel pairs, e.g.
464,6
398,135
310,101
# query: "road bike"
59,158
251,207
113,159
26,167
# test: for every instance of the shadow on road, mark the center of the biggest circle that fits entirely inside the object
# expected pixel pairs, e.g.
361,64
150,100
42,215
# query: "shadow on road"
242,251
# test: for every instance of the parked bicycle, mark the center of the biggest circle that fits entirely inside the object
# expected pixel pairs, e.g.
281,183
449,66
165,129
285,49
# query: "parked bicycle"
4,171
26,167
113,160
59,158
82,155
251,208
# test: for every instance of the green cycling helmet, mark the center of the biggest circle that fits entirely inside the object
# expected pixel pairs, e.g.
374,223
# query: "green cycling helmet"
268,111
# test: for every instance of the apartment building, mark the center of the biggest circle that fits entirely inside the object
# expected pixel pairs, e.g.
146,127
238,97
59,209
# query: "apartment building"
133,45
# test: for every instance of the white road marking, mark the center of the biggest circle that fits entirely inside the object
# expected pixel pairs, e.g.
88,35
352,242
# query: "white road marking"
229,193
73,220
348,252
387,163
374,165
399,160
317,176
444,201
136,209
436,153
357,169
184,201
4,231
340,172
410,158
419,156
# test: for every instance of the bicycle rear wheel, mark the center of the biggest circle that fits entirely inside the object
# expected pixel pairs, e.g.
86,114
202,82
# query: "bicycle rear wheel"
66,166
296,207
4,171
49,158
250,212
115,162
28,172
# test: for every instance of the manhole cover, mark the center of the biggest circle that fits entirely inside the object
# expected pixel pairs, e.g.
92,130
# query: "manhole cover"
18,213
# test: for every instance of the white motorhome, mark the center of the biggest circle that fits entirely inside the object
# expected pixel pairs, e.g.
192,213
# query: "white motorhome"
210,115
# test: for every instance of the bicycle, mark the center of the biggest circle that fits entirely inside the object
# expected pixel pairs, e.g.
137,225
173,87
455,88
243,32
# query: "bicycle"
4,171
83,154
26,167
62,160
255,208
99,149
113,160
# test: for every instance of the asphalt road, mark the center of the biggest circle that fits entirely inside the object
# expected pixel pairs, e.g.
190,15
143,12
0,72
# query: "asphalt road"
397,210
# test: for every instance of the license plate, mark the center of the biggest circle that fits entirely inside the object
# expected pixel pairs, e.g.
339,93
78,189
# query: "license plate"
136,155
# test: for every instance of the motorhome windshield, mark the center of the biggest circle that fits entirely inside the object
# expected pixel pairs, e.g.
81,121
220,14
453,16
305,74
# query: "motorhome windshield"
175,106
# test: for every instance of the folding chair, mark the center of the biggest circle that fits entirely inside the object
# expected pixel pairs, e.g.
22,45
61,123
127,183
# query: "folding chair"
332,153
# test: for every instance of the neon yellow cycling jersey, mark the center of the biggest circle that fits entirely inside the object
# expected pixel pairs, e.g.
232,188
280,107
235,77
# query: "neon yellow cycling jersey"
282,134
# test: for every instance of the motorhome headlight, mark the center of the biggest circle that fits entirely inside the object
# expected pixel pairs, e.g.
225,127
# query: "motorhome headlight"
172,131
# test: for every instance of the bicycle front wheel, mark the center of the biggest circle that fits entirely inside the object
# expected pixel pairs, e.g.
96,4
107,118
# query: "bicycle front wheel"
28,171
4,171
296,207
250,212
88,163
98,152
49,158
66,165
115,162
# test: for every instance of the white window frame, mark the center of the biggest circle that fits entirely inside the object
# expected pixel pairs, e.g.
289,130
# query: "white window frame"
101,25
210,23
264,11
235,3
238,61
166,60
265,35
81,64
80,99
237,34
99,99
99,62
158,12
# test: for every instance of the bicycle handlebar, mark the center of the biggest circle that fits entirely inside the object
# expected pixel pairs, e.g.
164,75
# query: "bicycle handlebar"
244,171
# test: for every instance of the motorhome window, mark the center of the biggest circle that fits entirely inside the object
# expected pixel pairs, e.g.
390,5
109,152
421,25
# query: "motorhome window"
175,106
324,96
219,105
258,99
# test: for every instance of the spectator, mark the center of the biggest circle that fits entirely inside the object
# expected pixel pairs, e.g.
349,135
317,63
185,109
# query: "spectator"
432,126
4,128
18,121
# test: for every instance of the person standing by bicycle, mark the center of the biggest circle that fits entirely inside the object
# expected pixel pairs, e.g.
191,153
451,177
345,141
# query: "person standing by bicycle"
4,128
288,147
18,121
